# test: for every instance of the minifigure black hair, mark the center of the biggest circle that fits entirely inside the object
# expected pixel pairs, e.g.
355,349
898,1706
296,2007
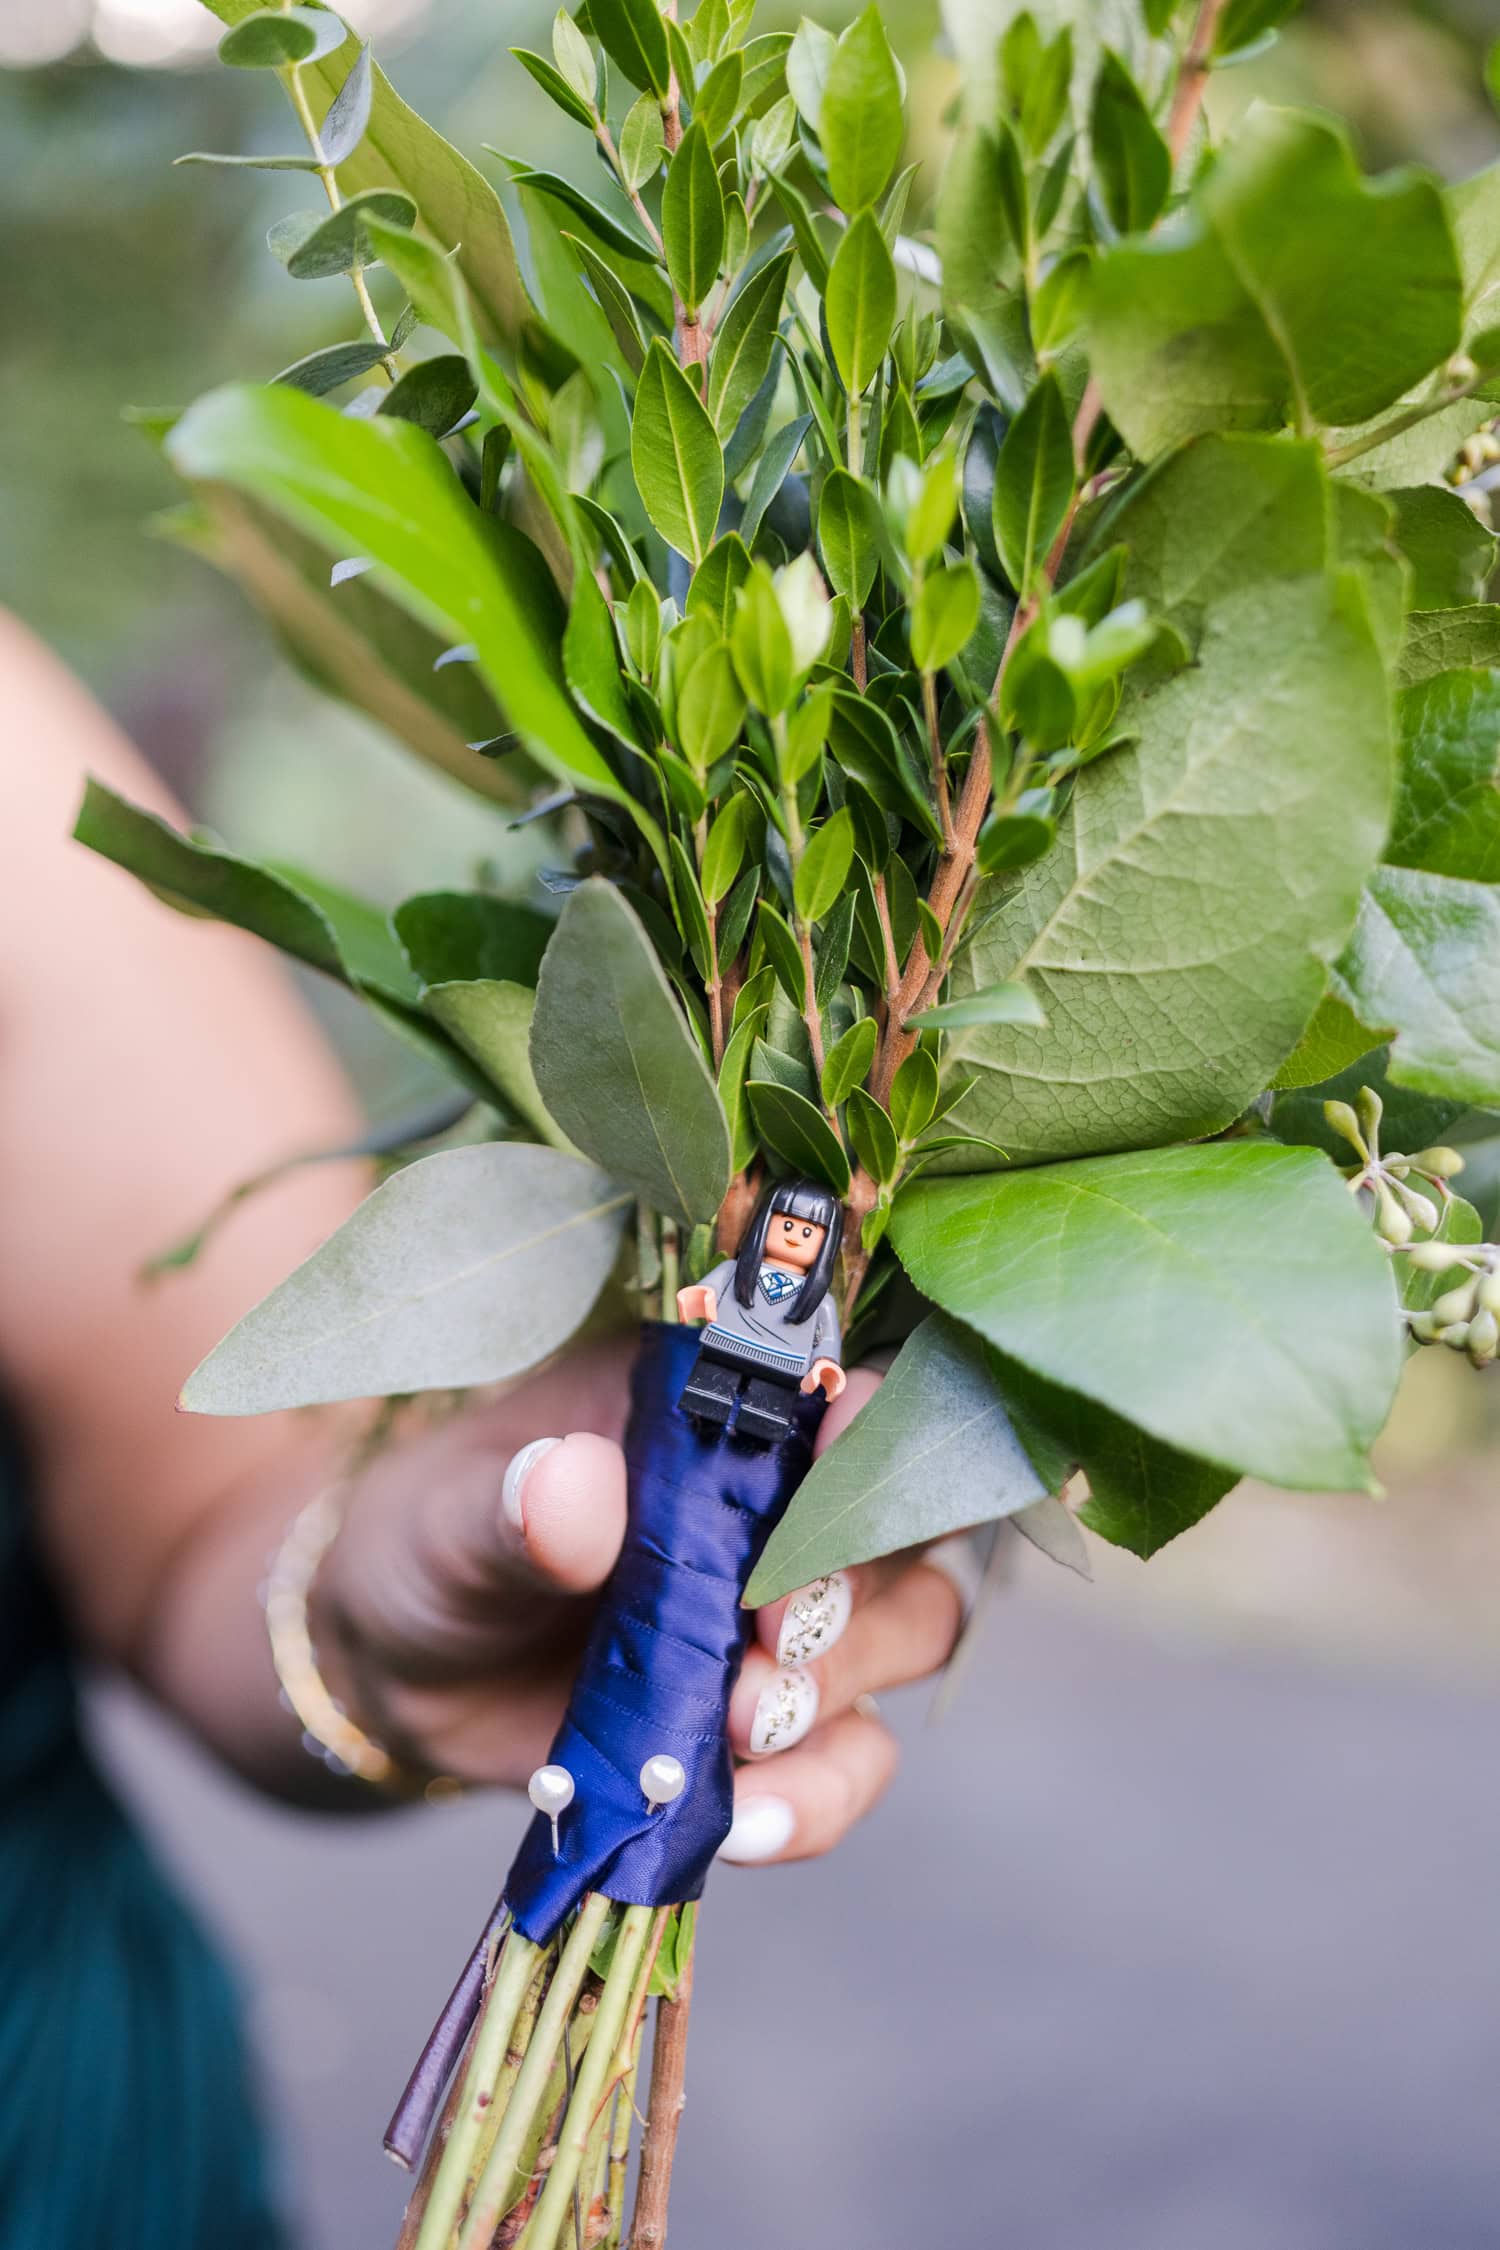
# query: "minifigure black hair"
793,1199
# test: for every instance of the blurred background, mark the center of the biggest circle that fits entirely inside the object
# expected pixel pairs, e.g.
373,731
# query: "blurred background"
1179,1931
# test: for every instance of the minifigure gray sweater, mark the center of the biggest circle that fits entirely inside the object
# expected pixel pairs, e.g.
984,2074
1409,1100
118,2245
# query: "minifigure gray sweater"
761,1333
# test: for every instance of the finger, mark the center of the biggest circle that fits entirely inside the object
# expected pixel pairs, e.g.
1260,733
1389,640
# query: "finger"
805,1625
566,1499
816,1796
903,1634
863,1383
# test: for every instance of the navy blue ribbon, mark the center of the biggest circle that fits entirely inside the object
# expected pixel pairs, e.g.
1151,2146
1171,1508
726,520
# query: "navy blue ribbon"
656,1678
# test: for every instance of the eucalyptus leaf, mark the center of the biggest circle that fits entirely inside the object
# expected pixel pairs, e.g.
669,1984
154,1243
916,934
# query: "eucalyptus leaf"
617,1065
1251,1262
349,113
434,393
464,1268
339,243
337,364
931,1453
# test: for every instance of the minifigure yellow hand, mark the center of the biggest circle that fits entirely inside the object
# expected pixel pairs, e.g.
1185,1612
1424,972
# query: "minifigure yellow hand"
697,1302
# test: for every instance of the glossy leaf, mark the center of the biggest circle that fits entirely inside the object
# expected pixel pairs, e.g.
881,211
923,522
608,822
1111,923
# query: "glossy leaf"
849,536
692,218
859,115
744,343
798,1132
997,1003
1422,964
462,1269
559,89
931,1453
848,1062
617,1065
1132,164
1251,1261
860,305
944,615
1033,483
678,463
634,37
824,867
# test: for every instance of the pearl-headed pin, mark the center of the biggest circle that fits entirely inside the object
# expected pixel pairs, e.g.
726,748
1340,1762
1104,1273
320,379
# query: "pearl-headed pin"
663,1780
551,1790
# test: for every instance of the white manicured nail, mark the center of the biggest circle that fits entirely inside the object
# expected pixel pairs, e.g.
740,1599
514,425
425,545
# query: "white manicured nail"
785,1712
815,1619
521,1466
762,1828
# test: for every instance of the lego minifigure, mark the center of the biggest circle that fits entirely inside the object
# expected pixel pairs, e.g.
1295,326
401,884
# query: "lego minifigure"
771,1328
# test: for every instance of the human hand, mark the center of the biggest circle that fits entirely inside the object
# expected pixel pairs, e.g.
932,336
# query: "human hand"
829,1373
451,1610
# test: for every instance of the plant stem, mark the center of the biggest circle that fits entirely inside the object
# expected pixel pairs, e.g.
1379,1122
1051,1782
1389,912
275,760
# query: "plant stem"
513,1975
292,79
619,2142
935,747
648,2227
1192,78
493,2194
671,1269
589,2088
1337,456
417,2200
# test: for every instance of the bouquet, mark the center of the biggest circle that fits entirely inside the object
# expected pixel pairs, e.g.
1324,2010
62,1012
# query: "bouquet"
999,643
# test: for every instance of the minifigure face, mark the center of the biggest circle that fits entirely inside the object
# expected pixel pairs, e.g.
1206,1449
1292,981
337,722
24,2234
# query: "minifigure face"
794,1242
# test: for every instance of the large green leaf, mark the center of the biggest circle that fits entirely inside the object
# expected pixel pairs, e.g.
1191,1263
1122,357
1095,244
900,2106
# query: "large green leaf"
692,218
1231,1299
1424,964
1141,1493
1451,553
399,149
1289,290
744,343
617,1065
676,456
464,1268
1178,933
1446,640
357,643
383,489
478,958
860,305
932,1452
1447,815
859,115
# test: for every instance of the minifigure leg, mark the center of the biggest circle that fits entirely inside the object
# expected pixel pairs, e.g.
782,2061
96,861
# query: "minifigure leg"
765,1410
709,1393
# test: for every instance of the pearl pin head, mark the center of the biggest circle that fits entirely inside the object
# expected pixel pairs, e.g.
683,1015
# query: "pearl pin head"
551,1790
663,1780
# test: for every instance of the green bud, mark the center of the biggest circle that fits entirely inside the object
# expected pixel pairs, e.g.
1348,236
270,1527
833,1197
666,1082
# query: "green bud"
1455,1305
1489,1292
1432,1257
1371,1109
1484,1336
1391,1222
1422,1208
1423,1328
1455,1335
1341,1119
1439,1163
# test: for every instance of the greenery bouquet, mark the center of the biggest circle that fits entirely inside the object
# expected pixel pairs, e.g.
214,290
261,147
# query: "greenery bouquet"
1005,665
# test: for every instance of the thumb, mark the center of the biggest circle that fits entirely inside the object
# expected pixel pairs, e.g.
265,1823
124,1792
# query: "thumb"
565,1497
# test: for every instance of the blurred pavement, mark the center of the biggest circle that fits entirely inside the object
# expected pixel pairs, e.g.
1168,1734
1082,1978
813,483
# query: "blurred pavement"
1157,1945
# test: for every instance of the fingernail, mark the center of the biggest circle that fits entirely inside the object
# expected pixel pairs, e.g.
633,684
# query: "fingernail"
785,1712
814,1619
514,1485
762,1827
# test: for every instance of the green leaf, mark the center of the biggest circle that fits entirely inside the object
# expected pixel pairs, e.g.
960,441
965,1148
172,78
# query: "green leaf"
434,393
1132,163
762,645
634,37
678,464
617,1065
727,842
1242,1309
796,1130
558,89
618,234
464,1268
457,936
1033,483
824,868
1009,841
1332,1041
350,111
873,1136
201,877
848,1062
808,62
860,304
849,536
1447,816
914,1095
1141,1493
710,708
1422,964
692,218
1445,640
718,98
489,1018
743,345
1058,308
1451,553
859,117
339,243
782,951
944,615
298,163
337,364
270,39
932,1452
1292,290
642,141
771,473
1205,874
459,207
997,1003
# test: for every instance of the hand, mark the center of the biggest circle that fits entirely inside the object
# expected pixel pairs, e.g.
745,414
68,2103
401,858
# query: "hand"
697,1302
451,1610
829,1373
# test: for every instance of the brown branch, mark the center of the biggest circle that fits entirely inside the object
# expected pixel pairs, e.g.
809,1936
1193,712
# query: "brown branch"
1192,78
648,2226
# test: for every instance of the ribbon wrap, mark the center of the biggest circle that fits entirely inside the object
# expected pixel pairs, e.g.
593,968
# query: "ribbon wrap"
656,1677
